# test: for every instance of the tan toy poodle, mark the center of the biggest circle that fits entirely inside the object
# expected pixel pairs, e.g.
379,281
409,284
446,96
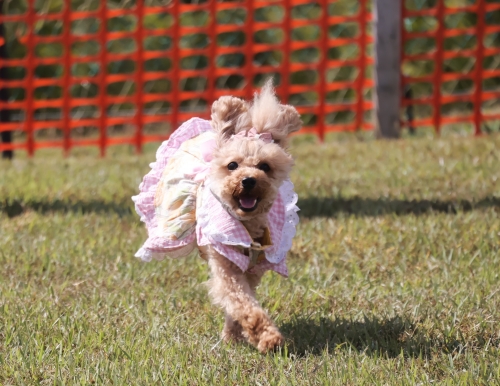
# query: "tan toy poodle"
223,186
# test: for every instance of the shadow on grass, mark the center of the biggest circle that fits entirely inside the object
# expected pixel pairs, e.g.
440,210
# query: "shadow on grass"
15,208
331,207
388,338
309,207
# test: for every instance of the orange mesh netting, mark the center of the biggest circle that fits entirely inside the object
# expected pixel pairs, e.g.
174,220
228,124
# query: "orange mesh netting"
102,73
97,73
451,62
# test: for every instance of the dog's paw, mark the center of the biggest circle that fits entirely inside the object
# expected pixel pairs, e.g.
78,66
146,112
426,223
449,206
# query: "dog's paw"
270,340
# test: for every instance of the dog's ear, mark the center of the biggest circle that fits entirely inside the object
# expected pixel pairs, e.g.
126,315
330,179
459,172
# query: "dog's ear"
229,116
289,119
270,116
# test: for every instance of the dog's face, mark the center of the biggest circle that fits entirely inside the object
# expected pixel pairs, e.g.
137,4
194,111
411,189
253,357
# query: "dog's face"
246,175
248,169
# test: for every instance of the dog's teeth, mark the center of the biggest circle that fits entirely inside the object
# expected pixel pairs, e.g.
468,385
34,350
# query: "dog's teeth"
248,202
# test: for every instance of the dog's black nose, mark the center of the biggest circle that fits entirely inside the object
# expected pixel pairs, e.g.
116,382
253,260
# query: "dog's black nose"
248,183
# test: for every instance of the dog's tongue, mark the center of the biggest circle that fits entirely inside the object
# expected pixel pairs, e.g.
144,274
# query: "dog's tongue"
248,202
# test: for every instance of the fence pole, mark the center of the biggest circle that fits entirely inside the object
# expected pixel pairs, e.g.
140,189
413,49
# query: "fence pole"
103,72
478,92
4,93
387,92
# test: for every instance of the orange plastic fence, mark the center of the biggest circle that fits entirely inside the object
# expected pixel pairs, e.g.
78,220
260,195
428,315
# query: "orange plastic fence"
452,83
314,33
318,53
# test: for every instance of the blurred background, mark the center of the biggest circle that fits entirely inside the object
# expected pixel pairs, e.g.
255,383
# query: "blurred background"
100,73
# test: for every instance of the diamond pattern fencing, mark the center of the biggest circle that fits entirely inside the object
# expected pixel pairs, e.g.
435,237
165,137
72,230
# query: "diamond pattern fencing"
97,73
451,62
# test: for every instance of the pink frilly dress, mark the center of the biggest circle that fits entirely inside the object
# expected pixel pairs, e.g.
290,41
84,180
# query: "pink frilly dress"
180,211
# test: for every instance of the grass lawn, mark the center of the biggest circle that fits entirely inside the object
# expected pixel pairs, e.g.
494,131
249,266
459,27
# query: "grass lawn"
394,274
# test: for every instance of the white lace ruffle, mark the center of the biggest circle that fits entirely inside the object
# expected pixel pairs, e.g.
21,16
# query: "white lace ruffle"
147,255
290,199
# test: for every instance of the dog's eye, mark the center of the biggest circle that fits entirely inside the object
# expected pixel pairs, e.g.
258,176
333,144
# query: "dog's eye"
264,167
232,166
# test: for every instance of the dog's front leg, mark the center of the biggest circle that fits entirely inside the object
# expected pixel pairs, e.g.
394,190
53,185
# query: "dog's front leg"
232,329
230,288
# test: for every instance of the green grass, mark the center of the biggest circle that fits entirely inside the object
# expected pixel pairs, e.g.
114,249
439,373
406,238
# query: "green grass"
393,274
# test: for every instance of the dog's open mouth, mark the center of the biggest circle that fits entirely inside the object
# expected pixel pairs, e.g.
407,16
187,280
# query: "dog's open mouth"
247,203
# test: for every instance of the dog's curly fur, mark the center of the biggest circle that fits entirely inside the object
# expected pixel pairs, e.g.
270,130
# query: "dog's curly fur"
229,287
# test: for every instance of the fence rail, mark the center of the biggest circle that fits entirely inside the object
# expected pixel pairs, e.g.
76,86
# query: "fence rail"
103,73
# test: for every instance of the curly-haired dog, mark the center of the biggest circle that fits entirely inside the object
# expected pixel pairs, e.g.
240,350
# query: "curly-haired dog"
223,186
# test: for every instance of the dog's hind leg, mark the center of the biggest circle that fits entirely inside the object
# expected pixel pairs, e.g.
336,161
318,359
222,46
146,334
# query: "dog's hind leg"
229,288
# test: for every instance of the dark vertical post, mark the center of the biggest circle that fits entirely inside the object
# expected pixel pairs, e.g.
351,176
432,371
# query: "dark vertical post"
67,79
387,95
360,81
29,120
4,93
438,66
175,55
212,33
478,91
287,48
103,87
249,32
322,68
139,79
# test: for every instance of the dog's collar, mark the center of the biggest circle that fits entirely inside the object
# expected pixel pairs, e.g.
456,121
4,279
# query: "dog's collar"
256,252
